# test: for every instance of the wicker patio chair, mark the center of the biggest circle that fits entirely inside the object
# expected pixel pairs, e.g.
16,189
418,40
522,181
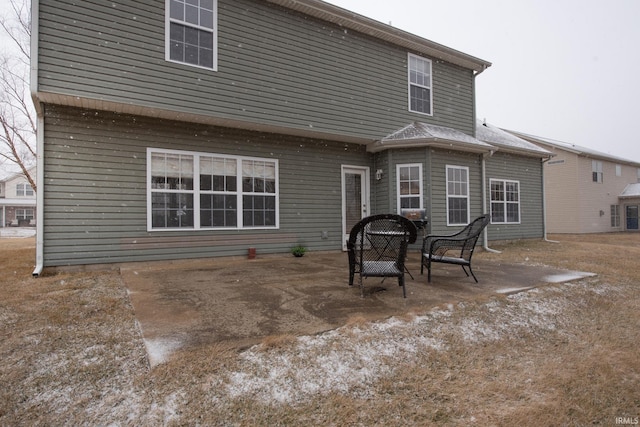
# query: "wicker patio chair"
453,249
377,247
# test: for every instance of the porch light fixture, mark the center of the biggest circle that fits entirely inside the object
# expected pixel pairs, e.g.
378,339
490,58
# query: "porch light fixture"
378,174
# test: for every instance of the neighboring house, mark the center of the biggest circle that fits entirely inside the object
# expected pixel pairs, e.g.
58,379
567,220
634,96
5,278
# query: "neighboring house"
588,191
169,130
17,201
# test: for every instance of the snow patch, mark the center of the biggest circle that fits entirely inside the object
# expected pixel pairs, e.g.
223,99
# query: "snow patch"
567,276
512,290
160,349
17,232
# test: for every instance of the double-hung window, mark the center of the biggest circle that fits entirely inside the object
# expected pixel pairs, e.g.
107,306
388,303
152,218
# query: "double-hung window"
191,32
409,186
596,171
420,85
24,190
615,216
202,191
457,195
24,214
505,201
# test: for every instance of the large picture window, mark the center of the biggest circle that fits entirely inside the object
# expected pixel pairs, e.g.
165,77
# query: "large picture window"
457,195
409,179
191,32
505,202
207,191
420,85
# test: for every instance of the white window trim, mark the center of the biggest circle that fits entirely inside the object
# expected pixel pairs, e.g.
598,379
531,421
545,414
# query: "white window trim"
421,194
448,167
167,43
505,202
196,191
409,84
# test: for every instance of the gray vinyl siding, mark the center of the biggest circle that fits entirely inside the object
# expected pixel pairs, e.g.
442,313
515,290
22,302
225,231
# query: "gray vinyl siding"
439,160
275,67
528,171
95,189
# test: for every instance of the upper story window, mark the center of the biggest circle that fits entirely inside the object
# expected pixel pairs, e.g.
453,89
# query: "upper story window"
409,186
505,202
420,85
24,190
618,170
191,32
638,173
198,191
457,195
596,168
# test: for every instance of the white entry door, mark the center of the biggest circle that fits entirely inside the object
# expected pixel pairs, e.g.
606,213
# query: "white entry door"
355,198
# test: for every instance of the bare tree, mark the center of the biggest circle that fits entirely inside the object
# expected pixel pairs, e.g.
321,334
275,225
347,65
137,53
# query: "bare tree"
17,114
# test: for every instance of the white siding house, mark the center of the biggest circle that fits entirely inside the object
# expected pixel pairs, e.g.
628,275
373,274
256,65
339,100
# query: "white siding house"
17,201
587,191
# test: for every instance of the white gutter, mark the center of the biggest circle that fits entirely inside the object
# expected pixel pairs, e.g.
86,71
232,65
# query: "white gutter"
35,7
485,239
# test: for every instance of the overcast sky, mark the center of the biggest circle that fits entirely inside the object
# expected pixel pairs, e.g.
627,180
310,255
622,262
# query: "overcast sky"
562,69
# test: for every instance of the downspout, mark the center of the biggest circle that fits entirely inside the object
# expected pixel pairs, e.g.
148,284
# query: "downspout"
485,239
485,234
39,139
544,204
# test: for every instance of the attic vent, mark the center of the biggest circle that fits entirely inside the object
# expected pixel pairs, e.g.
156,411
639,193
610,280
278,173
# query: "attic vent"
555,162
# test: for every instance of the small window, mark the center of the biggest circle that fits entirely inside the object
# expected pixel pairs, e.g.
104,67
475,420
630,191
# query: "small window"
457,195
596,167
191,32
24,190
409,178
420,85
638,173
208,191
505,202
618,170
615,216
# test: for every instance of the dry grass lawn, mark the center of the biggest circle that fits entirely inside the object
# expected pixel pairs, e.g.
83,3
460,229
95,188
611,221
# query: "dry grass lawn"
563,354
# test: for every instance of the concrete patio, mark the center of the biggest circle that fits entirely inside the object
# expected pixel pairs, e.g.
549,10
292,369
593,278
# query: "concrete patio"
236,301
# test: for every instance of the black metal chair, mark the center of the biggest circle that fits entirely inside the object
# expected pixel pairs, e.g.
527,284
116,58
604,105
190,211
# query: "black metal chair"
377,247
453,249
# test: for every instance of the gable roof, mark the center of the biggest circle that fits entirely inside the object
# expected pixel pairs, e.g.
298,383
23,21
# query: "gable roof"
507,142
351,20
573,148
418,134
